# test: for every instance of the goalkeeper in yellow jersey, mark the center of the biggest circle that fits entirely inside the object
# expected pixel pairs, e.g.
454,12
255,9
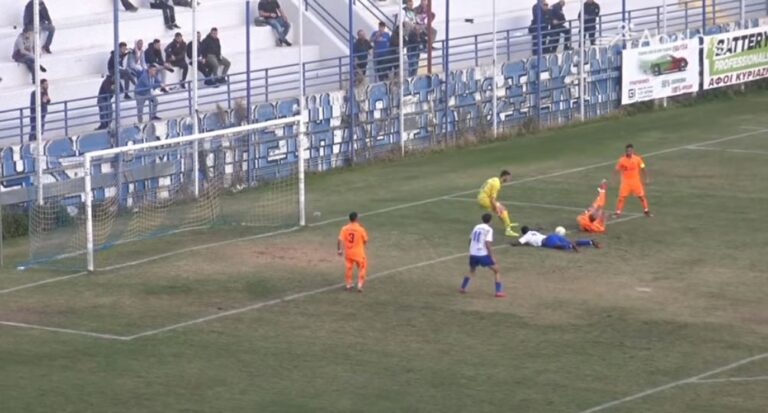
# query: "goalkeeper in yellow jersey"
487,198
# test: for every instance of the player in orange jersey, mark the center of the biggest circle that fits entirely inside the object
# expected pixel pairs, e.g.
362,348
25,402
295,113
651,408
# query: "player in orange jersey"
593,218
351,244
632,170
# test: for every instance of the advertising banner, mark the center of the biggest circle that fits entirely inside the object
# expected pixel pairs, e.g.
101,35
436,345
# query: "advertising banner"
659,71
735,57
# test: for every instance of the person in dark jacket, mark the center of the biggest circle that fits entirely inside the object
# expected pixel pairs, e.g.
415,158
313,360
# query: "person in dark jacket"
591,13
104,101
212,54
558,27
169,13
361,49
46,23
202,65
175,56
272,14
125,74
45,100
154,56
413,51
539,27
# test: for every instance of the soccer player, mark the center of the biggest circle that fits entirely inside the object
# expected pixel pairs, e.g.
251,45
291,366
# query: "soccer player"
481,255
553,241
593,218
351,244
632,170
487,198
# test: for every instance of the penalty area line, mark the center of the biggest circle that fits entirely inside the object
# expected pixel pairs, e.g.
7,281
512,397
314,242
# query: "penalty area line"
64,330
730,380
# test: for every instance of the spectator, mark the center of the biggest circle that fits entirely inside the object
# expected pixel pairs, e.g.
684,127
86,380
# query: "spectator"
184,3
212,54
591,13
202,66
104,101
129,6
148,82
558,27
413,50
392,62
24,52
174,56
46,24
380,40
169,14
409,16
45,100
125,74
154,56
273,15
424,18
137,64
361,49
539,27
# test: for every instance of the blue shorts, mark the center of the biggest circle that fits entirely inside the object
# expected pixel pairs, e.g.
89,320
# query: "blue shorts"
480,261
556,241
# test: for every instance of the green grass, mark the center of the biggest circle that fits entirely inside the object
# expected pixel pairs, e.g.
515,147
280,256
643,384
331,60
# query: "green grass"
667,299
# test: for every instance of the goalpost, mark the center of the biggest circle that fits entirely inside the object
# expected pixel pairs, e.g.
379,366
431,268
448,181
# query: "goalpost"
213,186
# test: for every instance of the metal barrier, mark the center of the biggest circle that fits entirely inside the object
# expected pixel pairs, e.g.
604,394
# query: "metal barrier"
265,85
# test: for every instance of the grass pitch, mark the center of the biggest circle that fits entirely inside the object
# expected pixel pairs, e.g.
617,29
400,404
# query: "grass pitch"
260,326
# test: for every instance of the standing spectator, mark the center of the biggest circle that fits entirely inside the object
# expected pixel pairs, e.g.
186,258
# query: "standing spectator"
212,54
46,24
45,100
24,52
413,50
361,49
539,26
273,15
392,62
169,13
104,101
136,62
174,56
380,40
409,15
202,66
424,18
154,57
129,6
125,74
148,82
558,27
591,13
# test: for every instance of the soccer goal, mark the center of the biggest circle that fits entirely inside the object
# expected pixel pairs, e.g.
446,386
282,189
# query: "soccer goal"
128,204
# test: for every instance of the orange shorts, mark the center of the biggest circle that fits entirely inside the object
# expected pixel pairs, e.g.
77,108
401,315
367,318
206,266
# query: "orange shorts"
628,188
359,261
586,225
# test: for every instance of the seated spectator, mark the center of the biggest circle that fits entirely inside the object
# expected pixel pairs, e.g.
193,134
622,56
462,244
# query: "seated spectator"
23,51
104,101
45,100
380,40
46,24
148,83
273,15
361,49
169,13
136,61
129,6
424,18
202,66
174,56
125,74
154,57
211,52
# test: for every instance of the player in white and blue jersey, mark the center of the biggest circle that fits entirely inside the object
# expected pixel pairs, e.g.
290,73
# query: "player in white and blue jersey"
481,254
553,241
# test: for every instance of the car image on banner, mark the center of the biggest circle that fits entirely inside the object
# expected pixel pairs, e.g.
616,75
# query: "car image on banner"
659,71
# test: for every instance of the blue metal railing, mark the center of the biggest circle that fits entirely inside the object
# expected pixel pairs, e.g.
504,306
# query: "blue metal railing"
74,115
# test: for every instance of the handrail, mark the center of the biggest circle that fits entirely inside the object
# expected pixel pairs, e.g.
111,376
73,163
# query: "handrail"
377,12
331,21
322,73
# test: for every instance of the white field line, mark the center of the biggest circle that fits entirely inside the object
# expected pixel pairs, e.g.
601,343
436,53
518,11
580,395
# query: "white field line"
689,380
730,379
702,148
43,282
64,330
532,204
413,204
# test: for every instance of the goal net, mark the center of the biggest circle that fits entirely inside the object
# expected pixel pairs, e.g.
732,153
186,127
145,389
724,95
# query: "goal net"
133,203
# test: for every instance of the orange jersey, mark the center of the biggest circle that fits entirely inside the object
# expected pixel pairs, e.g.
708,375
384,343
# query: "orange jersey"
630,168
586,224
353,237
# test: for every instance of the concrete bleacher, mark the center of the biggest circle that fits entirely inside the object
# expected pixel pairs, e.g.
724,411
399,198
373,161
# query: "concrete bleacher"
84,39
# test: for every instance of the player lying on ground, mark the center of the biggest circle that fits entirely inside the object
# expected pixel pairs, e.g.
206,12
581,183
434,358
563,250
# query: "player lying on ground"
631,168
481,254
553,241
351,244
593,218
488,199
